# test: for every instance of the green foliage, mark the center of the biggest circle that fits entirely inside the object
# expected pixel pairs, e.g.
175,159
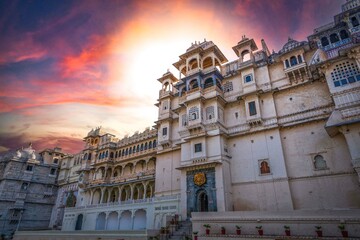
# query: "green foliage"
207,226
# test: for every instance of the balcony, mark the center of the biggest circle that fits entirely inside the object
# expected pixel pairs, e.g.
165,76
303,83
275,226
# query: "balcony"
133,176
165,93
212,92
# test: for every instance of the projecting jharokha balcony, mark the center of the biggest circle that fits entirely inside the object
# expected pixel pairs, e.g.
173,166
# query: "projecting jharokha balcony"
207,93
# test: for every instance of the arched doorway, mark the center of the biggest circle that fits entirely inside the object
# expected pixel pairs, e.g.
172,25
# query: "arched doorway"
100,221
140,219
203,202
125,221
79,221
112,221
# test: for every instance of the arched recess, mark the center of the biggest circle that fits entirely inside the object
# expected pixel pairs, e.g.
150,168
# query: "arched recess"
100,221
125,221
138,191
183,71
209,82
128,169
100,173
79,222
193,63
193,84
106,196
245,55
202,201
151,163
117,171
112,221
140,219
108,174
149,191
207,62
125,193
96,196
167,86
114,195
140,166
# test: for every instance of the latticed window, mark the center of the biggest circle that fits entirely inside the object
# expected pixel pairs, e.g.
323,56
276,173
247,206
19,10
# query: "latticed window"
228,86
345,73
193,113
210,112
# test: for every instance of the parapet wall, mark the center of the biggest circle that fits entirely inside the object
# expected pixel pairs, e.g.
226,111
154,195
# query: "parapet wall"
301,222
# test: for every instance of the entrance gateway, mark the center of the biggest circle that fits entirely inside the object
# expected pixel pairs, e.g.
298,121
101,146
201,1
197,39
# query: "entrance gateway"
201,191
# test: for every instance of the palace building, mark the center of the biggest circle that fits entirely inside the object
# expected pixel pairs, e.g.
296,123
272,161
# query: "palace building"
269,138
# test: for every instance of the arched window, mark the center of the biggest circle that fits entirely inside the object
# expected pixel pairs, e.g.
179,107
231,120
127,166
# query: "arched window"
299,59
182,92
56,161
89,156
154,144
264,167
106,153
150,144
166,86
208,83
343,34
193,64
324,41
116,154
111,155
85,156
134,149
145,147
142,147
293,61
287,63
207,62
137,148
354,22
122,152
334,38
245,56
194,84
193,113
130,151
96,141
127,151
319,162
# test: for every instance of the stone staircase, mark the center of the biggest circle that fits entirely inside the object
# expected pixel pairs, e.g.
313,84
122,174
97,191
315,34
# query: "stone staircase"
183,231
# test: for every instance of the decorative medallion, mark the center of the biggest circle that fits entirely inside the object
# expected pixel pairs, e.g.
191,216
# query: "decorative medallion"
200,178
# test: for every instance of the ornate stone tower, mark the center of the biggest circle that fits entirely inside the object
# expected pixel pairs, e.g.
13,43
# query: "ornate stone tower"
204,165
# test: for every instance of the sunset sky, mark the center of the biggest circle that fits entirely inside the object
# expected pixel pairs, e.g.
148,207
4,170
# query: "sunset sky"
69,66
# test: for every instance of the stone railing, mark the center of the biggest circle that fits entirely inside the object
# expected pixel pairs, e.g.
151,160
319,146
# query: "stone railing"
123,178
128,202
337,44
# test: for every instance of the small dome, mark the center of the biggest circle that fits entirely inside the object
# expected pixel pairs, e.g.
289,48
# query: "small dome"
290,45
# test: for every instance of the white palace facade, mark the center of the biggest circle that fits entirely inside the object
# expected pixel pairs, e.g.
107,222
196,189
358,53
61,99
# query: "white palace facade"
266,136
